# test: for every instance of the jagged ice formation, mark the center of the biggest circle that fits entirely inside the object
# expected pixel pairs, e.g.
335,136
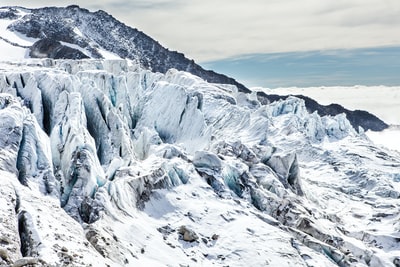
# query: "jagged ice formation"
104,162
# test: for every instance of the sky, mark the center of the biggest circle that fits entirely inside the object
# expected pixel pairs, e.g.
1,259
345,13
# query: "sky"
216,33
342,67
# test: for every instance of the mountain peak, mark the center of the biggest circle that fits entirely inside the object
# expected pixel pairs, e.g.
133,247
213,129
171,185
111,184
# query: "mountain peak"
99,35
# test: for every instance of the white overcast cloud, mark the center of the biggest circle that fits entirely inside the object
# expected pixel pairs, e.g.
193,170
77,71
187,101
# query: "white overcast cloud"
209,30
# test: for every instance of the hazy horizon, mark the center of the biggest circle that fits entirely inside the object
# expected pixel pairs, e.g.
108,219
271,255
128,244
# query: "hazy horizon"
343,67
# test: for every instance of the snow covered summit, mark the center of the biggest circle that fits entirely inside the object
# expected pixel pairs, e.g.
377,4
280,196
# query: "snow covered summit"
76,33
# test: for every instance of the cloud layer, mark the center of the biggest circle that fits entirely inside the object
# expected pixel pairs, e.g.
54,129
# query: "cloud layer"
209,30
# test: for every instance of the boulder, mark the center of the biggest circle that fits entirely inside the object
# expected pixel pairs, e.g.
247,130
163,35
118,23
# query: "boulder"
188,234
26,261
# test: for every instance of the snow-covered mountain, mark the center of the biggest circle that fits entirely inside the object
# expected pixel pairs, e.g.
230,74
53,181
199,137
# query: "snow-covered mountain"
76,33
106,163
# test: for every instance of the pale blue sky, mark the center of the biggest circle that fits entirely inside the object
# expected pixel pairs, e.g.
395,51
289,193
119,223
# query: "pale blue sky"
216,33
347,67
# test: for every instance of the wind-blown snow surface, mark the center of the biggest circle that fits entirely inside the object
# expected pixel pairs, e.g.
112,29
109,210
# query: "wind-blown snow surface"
105,163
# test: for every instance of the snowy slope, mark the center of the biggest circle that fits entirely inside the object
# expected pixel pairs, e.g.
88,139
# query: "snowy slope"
11,52
13,46
105,162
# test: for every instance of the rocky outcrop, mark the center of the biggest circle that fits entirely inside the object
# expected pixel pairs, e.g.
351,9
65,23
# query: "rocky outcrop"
10,243
50,48
187,234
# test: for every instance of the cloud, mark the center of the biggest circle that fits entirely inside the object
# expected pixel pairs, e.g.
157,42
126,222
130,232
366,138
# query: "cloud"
209,30
127,7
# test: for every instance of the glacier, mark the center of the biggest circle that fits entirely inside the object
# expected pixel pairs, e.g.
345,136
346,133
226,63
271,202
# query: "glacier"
106,163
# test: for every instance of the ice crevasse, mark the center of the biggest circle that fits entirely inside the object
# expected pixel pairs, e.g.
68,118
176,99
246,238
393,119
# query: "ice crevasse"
101,137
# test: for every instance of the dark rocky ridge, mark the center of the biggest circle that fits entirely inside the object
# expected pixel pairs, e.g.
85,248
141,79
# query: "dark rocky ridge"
50,48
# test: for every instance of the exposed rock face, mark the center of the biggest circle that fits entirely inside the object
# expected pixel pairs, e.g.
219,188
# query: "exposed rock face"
26,261
9,14
50,48
9,239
